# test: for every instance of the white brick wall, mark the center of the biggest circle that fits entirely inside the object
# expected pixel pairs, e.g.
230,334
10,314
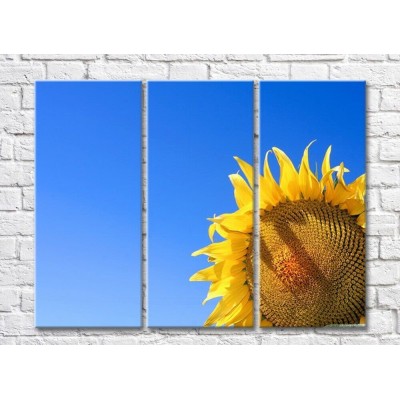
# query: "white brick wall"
17,75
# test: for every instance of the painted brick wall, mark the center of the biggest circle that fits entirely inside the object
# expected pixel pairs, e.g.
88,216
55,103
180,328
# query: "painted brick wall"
17,75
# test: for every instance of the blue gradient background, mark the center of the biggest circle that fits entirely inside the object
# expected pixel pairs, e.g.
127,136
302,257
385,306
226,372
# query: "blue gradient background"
88,204
292,114
195,129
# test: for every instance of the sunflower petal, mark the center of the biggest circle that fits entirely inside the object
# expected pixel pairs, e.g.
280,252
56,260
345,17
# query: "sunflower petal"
309,184
211,231
271,193
242,192
228,302
289,178
247,170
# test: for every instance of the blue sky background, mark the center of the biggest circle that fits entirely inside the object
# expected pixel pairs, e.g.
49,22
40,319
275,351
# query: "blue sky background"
295,113
88,204
195,129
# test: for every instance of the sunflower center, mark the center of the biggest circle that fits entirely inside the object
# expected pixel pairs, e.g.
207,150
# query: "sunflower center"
311,265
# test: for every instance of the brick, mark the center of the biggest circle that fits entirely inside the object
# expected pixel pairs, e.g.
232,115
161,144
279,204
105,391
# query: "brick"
367,57
310,71
312,339
51,57
391,199
7,149
390,150
17,122
66,70
373,200
20,73
374,74
237,340
236,71
8,340
7,248
249,71
10,199
306,57
373,148
28,201
63,340
185,57
119,340
383,175
9,57
24,149
10,97
245,57
359,340
28,97
189,71
274,71
128,71
390,100
125,57
12,274
370,298
18,324
274,340
389,297
373,99
26,249
16,223
12,174
372,252
9,298
379,321
383,124
27,300
390,339
383,273
390,249
381,224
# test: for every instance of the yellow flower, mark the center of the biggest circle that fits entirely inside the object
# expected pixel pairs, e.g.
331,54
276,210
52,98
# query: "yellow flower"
312,248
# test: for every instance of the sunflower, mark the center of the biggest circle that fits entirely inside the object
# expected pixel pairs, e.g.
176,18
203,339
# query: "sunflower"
312,248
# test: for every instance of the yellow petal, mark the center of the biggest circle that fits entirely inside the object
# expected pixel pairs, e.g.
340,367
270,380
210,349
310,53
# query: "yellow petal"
353,206
228,285
220,248
326,168
309,184
341,192
242,310
219,271
361,220
246,322
358,185
236,222
265,323
242,192
271,193
247,170
228,302
211,231
289,178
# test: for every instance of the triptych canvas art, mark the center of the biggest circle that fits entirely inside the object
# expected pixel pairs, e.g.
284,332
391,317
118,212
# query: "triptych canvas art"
223,238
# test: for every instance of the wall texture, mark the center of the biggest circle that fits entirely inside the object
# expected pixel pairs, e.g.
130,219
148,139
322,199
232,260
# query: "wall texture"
17,76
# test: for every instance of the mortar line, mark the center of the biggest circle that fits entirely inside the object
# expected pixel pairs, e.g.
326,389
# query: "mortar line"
144,317
256,220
